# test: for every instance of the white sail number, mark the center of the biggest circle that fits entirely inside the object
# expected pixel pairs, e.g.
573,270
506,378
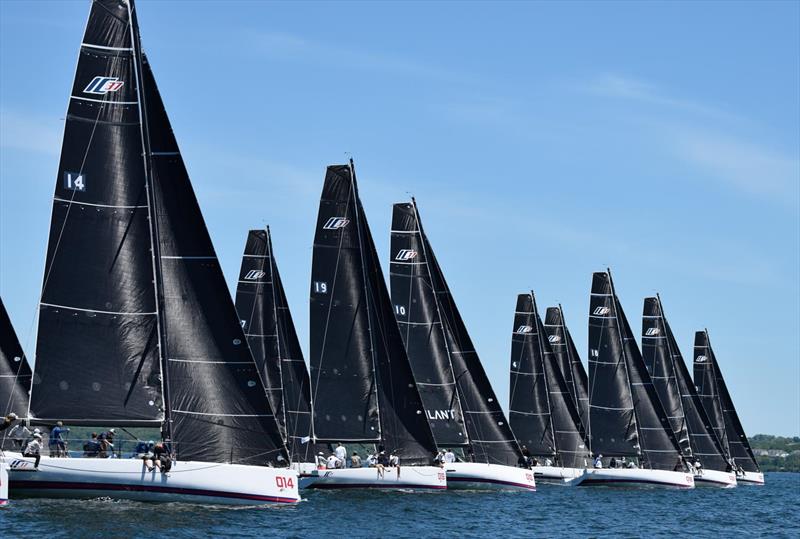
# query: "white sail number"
74,181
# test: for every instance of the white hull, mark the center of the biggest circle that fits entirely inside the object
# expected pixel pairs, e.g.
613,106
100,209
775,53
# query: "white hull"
477,476
410,477
556,474
188,481
634,477
3,483
751,478
715,478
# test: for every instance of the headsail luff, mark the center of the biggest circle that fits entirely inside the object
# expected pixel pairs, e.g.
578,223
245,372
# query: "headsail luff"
363,389
717,401
702,439
136,319
15,373
490,437
563,347
622,397
267,322
417,314
542,412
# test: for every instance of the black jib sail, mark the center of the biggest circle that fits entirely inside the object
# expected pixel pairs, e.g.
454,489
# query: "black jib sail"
568,359
136,325
490,437
362,386
15,373
718,403
672,380
625,415
264,315
542,412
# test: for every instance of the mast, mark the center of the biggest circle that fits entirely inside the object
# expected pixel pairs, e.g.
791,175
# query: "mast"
367,298
277,331
161,329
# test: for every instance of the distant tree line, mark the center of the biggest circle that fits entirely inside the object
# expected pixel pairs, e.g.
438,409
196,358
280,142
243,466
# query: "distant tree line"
791,445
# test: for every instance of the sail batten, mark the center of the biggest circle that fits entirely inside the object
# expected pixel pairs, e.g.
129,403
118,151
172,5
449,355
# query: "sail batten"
15,372
563,347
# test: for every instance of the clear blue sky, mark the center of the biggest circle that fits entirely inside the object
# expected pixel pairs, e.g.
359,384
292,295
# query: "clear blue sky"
543,141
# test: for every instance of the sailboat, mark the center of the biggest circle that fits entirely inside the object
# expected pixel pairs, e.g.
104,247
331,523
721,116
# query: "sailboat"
683,406
564,348
718,404
362,387
542,411
460,405
264,315
136,324
626,418
15,380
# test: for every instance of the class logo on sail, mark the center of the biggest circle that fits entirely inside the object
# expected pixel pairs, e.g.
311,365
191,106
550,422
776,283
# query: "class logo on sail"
701,359
554,338
103,85
524,329
601,311
651,332
406,254
335,223
254,275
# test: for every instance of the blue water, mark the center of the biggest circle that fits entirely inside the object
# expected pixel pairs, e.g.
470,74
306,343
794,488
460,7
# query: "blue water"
553,511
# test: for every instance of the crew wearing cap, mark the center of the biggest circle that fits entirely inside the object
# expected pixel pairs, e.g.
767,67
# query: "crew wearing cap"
8,420
34,449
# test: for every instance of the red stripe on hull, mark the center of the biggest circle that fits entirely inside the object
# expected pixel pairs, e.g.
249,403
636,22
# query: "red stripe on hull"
369,485
479,480
589,482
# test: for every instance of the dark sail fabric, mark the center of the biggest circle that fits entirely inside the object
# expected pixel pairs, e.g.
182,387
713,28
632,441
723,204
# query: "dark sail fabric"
657,446
362,385
490,437
15,373
612,421
702,440
97,338
218,407
531,353
420,326
658,358
529,403
711,385
568,359
265,317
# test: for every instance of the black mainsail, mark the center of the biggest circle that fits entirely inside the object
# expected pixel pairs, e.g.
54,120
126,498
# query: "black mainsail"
136,324
542,412
444,361
362,388
671,378
568,359
718,403
626,417
15,373
267,323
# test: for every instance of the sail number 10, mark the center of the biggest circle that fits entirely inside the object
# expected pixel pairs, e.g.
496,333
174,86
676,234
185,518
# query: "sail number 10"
284,482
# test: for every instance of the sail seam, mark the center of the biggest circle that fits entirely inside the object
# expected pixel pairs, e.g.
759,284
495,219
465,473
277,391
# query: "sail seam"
95,310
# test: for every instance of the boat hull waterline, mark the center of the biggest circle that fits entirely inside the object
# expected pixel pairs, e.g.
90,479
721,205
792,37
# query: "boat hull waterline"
715,478
478,476
410,477
635,477
751,478
187,481
556,474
